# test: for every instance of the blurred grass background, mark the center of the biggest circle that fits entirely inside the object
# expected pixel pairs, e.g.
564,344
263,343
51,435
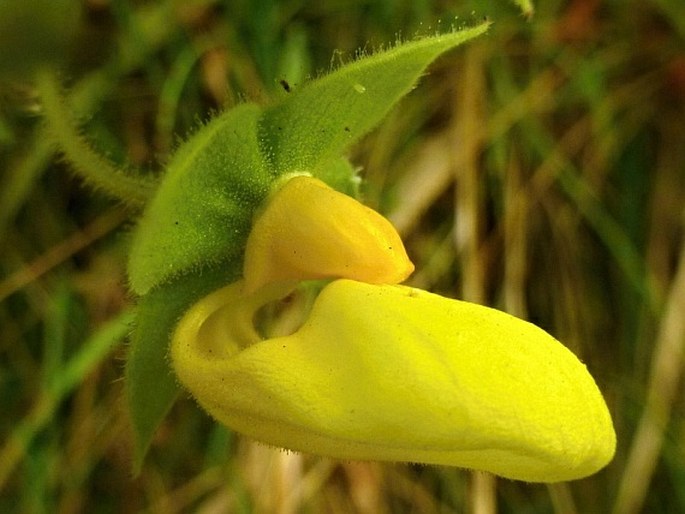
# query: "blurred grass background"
540,169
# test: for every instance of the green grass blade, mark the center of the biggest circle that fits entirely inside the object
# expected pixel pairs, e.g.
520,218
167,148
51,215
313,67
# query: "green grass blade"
92,352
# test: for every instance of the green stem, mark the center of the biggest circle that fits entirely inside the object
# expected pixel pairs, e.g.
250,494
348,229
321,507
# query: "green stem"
97,171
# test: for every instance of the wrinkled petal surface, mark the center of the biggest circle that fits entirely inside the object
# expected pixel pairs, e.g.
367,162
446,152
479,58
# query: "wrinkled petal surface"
395,373
310,231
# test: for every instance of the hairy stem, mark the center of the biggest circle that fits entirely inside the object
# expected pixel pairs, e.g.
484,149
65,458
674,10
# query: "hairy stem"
95,169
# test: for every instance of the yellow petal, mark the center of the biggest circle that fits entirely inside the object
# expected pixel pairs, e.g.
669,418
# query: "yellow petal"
399,374
310,231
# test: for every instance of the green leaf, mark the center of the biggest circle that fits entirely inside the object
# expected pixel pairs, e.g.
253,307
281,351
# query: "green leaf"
151,387
320,119
341,176
201,213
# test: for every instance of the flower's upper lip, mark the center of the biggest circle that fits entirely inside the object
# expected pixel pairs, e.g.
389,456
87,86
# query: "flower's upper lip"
310,231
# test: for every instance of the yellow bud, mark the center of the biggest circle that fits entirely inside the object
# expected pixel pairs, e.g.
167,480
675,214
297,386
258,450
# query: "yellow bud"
310,231
399,374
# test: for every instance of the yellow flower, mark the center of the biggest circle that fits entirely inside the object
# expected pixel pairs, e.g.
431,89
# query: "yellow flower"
389,372
310,231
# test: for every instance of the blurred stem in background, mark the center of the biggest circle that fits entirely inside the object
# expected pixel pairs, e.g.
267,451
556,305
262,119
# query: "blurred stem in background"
662,388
